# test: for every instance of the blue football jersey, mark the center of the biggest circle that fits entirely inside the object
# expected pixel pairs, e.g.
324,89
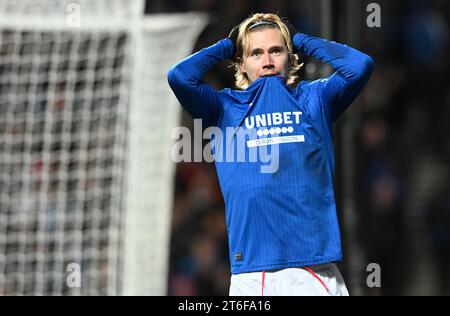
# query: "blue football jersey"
274,153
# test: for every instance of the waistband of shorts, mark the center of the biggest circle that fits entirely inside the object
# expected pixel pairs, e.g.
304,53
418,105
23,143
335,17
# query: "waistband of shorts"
317,267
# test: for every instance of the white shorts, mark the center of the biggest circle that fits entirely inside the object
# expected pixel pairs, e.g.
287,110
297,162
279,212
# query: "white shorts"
320,280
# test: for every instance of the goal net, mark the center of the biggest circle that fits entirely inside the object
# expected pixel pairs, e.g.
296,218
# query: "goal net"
85,169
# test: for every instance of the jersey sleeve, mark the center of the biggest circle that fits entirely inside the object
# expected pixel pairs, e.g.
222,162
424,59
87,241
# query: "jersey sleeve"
199,99
352,71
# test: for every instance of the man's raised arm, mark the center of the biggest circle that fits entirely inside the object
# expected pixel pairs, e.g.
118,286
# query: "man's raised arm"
353,70
185,78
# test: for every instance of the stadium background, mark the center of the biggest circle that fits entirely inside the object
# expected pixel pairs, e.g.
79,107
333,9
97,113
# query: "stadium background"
85,176
392,149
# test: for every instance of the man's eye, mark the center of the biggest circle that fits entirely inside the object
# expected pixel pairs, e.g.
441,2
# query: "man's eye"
276,51
256,54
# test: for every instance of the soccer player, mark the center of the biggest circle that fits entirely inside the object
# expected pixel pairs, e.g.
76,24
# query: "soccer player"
283,231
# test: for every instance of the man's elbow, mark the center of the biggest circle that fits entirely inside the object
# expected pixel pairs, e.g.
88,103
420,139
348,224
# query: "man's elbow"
174,76
361,69
366,68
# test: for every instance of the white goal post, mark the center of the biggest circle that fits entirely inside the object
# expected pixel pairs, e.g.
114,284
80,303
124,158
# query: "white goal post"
86,178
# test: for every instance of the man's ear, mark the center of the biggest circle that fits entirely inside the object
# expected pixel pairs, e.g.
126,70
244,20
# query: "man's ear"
241,65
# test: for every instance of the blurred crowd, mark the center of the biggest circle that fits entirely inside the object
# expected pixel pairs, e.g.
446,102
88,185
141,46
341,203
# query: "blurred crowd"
402,151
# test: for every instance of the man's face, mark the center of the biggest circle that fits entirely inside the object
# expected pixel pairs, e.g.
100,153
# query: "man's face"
267,54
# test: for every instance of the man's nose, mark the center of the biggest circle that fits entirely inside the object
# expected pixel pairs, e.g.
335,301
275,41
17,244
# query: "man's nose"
267,61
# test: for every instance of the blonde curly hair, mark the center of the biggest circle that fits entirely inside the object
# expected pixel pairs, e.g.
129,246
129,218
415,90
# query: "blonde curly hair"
243,45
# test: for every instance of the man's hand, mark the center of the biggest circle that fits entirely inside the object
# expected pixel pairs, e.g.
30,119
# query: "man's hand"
291,28
233,37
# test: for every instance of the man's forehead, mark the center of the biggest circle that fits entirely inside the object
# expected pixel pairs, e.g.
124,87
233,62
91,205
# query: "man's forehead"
265,38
